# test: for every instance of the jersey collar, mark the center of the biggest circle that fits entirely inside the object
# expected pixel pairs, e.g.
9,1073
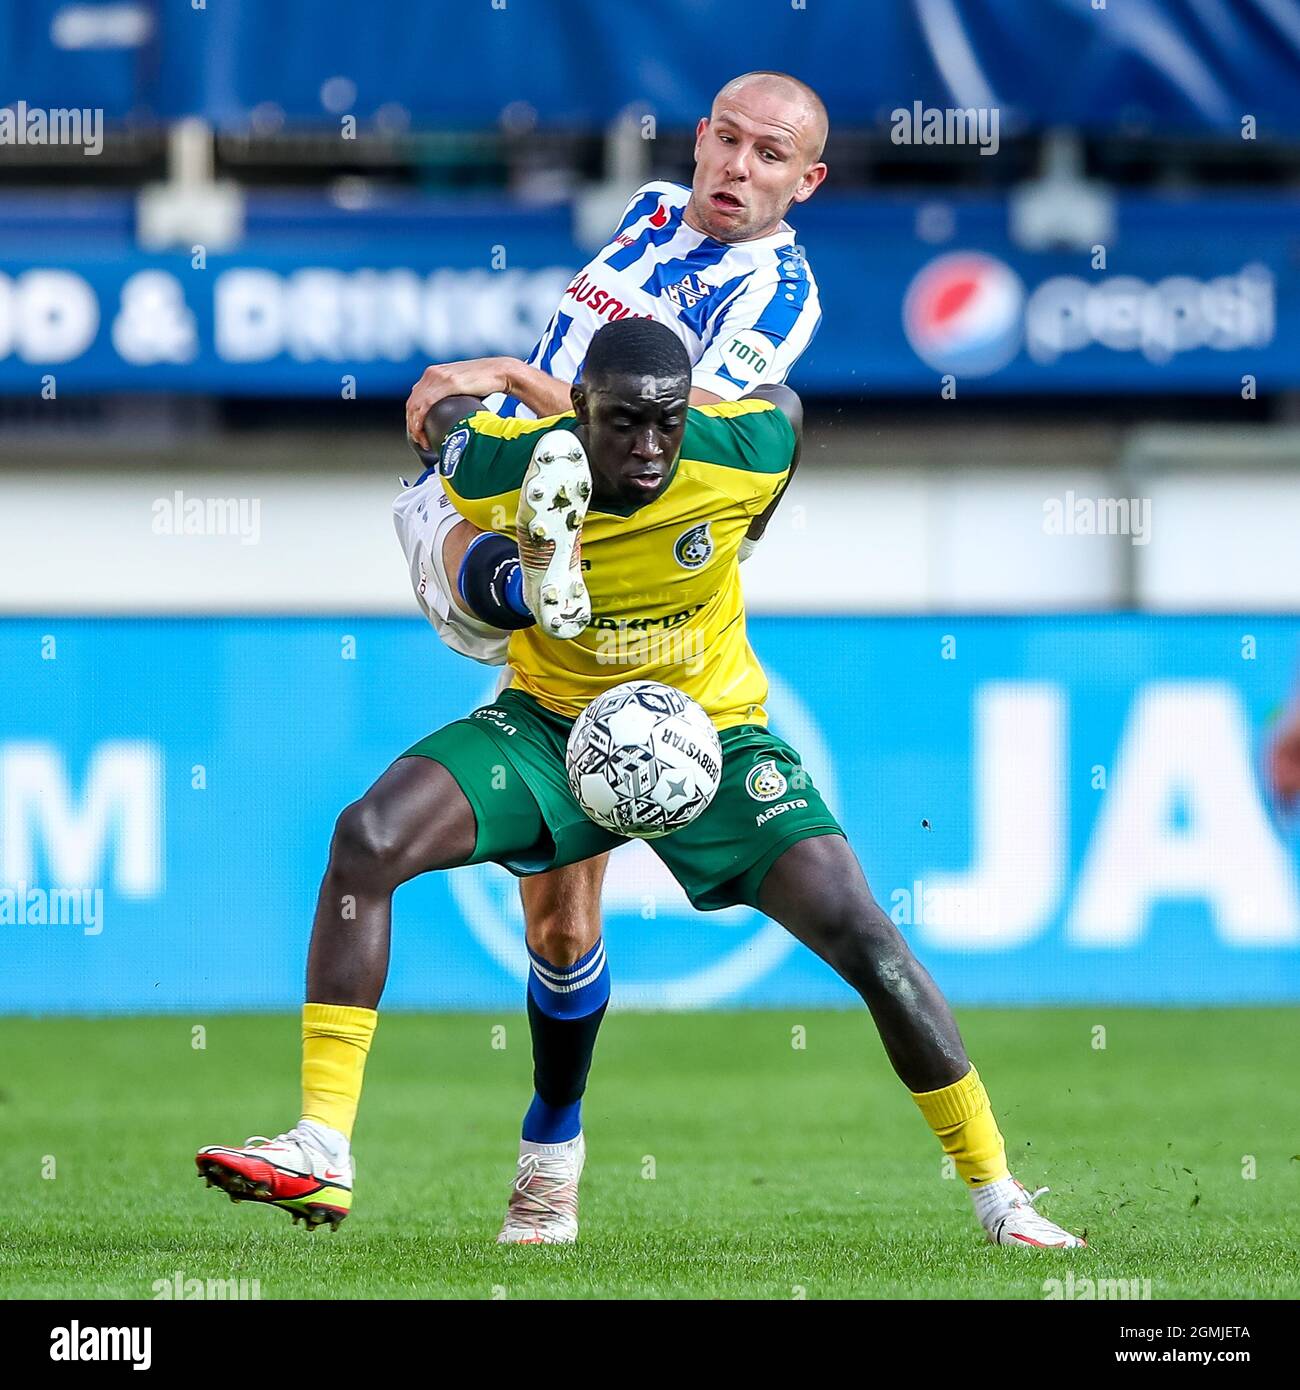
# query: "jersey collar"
782,235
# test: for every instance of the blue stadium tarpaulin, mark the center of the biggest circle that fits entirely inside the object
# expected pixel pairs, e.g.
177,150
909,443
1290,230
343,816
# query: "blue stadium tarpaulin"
1163,65
129,883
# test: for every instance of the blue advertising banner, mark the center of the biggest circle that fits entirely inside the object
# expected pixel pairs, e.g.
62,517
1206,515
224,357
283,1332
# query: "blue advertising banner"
1051,809
918,297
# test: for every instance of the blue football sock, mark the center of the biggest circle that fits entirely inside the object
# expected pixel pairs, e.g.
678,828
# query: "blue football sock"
565,1006
514,591
491,581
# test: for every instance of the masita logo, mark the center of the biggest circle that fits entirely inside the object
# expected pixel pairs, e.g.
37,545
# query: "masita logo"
666,960
963,314
765,781
694,548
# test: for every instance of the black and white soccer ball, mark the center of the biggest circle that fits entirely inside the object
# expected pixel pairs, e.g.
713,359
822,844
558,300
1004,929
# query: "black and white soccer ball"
643,759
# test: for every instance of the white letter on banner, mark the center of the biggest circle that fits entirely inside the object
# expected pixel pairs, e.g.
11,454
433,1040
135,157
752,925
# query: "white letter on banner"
314,324
122,794
249,310
1018,827
58,315
1186,746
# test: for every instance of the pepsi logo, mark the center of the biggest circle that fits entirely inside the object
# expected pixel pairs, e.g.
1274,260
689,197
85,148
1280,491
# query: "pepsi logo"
963,313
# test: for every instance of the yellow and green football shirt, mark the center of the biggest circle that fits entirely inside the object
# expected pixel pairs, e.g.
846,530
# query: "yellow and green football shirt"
664,579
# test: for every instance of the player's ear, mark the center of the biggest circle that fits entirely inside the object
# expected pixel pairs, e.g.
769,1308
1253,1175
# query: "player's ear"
699,133
578,396
812,180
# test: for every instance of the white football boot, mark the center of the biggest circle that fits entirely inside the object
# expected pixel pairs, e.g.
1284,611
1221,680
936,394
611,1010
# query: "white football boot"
543,1206
1008,1216
553,502
291,1171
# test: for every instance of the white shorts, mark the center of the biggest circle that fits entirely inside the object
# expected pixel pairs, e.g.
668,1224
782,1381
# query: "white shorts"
423,515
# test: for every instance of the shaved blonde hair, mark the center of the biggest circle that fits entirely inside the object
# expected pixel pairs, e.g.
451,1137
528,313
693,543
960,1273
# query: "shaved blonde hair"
783,84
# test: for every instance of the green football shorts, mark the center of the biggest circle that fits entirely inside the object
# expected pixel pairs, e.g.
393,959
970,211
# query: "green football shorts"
508,759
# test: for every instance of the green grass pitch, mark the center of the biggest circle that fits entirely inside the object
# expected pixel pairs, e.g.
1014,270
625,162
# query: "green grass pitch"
723,1161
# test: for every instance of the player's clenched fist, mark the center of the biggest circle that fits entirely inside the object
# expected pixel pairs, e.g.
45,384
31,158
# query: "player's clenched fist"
481,376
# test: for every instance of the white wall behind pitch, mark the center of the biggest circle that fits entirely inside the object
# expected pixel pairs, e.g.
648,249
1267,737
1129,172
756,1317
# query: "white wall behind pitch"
874,540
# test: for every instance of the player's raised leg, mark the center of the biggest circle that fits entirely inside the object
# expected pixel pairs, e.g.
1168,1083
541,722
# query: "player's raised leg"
816,889
552,504
500,584
568,990
415,818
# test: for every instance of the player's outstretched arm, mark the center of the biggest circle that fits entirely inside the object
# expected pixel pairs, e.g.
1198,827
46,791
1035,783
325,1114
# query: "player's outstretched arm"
479,376
485,376
789,404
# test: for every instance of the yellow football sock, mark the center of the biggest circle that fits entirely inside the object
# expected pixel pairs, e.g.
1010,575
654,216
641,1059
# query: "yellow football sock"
335,1041
962,1117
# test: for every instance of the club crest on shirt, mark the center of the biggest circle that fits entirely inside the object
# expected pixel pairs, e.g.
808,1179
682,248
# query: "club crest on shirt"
452,448
688,291
694,548
765,781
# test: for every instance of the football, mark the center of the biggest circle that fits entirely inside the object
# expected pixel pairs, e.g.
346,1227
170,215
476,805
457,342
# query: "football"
643,759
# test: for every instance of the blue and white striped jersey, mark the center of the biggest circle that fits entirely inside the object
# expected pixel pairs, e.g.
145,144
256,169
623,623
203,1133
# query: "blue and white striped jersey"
745,311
